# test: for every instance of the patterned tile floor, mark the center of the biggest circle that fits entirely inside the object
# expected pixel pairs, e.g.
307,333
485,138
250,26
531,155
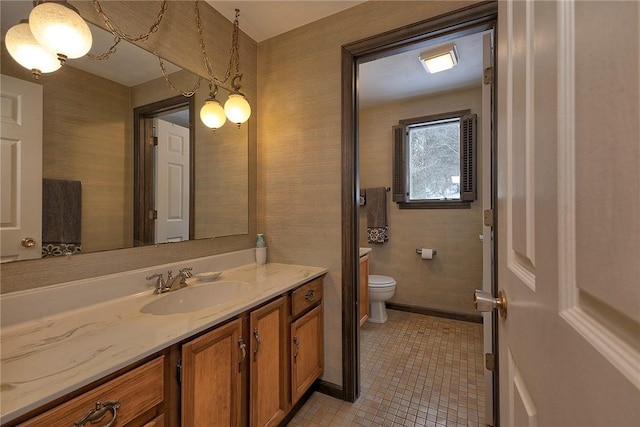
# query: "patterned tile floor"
416,371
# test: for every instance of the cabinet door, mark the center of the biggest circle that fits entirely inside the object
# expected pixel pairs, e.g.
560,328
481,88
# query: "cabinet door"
364,289
269,370
307,356
211,380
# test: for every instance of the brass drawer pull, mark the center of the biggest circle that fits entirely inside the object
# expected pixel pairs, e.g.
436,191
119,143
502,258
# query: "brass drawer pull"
243,349
256,336
297,344
96,414
310,296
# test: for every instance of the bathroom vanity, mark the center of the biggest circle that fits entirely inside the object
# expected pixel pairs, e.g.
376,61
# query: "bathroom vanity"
364,285
244,359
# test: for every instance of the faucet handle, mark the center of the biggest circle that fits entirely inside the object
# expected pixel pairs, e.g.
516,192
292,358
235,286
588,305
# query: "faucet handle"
186,272
160,283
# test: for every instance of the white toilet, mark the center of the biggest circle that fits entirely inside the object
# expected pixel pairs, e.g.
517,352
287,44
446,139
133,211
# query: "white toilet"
381,289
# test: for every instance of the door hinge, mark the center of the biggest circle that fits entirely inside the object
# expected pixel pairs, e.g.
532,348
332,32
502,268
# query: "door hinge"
490,361
153,214
179,371
154,141
488,76
488,217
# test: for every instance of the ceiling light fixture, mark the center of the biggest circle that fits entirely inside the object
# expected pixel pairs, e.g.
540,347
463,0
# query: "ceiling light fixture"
54,30
27,52
440,58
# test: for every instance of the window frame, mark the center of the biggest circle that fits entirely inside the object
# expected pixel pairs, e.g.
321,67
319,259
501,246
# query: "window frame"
468,152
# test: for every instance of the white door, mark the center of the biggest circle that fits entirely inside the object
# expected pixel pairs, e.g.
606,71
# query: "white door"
20,169
569,212
172,182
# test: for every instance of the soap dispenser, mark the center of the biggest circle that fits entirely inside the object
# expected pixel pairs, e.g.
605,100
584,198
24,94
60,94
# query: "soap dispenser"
261,250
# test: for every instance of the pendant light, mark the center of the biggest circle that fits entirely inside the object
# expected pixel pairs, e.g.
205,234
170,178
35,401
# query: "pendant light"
26,50
60,30
237,107
212,114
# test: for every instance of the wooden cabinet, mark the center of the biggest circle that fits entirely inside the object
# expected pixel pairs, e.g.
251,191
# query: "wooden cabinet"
268,370
211,377
363,301
248,371
307,352
133,398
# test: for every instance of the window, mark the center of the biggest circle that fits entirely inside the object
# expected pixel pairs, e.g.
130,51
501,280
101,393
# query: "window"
434,161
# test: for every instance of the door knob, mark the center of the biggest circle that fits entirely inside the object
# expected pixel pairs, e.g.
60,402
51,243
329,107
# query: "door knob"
28,242
484,301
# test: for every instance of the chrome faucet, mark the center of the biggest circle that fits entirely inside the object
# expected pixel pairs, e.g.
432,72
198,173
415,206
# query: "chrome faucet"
172,283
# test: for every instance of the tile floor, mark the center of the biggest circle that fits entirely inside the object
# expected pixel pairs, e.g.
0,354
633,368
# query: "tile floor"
416,371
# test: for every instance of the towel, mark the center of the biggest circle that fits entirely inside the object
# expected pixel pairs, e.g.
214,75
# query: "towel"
61,217
377,227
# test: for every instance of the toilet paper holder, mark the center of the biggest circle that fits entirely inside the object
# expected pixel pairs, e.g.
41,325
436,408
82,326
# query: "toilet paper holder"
419,251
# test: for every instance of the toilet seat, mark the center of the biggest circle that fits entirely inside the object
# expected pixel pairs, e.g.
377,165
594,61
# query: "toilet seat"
376,280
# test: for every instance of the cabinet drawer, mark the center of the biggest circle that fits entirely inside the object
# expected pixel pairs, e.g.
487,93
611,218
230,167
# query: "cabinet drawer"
306,296
137,391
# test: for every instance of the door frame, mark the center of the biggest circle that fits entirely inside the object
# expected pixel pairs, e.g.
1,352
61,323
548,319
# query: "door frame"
143,159
467,20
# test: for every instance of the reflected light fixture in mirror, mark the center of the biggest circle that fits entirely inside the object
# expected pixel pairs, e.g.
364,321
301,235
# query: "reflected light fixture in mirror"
212,113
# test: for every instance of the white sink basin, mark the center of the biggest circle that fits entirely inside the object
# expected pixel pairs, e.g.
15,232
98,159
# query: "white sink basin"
197,297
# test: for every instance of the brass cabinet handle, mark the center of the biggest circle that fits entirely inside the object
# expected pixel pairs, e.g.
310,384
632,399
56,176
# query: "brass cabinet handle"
256,336
243,349
311,295
297,344
28,242
96,414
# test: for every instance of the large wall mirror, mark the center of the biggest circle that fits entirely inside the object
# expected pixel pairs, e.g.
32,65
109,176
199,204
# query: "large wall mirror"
91,136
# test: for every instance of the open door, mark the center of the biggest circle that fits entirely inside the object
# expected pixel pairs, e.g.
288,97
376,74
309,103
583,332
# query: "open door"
172,182
569,213
21,169
488,318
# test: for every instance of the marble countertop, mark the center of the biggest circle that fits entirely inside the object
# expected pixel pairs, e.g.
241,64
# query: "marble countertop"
48,357
365,251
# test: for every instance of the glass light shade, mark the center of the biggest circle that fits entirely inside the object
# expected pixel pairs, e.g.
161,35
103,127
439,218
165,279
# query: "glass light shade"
237,108
26,50
440,59
212,114
60,30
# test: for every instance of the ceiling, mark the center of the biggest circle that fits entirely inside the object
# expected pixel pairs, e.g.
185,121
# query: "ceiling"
383,80
263,19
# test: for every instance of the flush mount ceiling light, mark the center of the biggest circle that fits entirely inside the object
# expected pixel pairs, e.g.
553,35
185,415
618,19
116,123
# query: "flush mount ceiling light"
440,58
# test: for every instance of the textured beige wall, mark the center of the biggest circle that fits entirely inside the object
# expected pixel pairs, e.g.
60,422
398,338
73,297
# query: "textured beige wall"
177,41
299,150
447,282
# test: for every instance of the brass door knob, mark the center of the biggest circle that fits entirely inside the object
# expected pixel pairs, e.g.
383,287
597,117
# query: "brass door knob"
28,242
484,301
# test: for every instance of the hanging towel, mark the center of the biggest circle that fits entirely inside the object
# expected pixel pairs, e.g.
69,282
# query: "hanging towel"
61,217
377,227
